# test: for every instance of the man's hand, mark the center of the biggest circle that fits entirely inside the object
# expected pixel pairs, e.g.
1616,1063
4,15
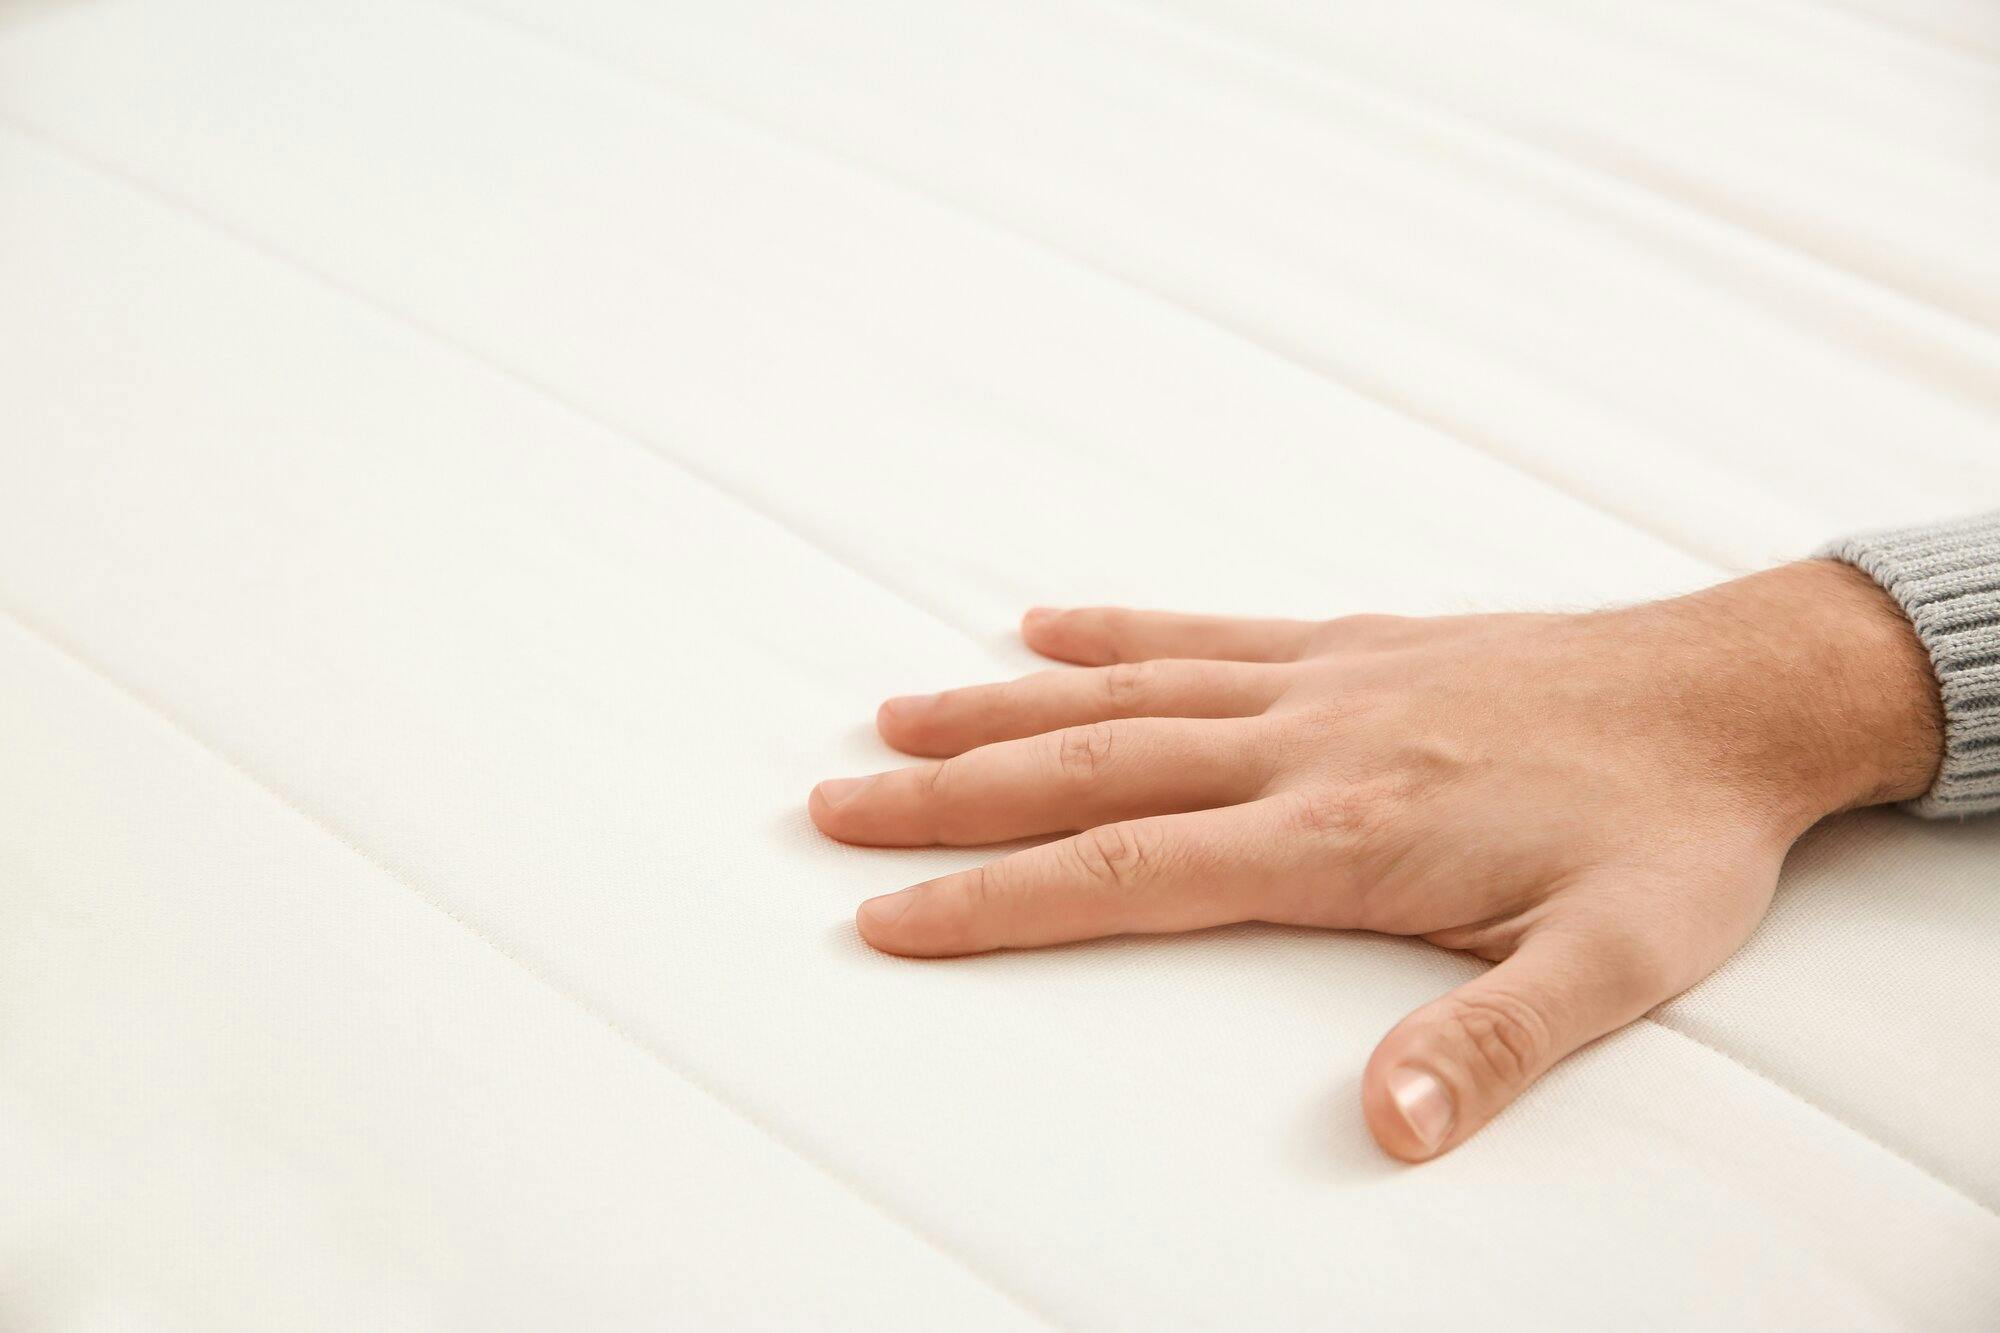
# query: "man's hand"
1597,803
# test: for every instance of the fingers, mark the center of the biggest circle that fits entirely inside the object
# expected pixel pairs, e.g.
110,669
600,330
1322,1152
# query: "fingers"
1452,1065
1099,635
1168,873
958,720
1070,779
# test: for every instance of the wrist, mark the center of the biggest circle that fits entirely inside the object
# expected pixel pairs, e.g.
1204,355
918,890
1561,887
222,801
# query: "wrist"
1945,577
1850,692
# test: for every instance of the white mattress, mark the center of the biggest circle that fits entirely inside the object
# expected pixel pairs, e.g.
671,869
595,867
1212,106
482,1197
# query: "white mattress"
470,467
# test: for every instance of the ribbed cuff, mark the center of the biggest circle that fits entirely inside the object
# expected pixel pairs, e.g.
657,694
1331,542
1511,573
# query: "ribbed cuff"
1946,577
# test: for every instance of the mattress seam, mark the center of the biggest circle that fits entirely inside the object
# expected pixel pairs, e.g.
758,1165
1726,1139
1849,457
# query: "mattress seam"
1761,1076
1928,39
456,347
1343,378
1575,177
625,1036
1589,174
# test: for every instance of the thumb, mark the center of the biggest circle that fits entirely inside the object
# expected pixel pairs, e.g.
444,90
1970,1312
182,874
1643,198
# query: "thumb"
1457,1062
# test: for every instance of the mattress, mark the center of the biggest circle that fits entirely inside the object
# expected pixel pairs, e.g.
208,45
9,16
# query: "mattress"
471,466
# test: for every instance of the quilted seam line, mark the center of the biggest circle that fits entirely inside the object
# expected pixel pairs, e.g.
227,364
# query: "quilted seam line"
1460,434
1346,378
1581,173
1761,1076
1928,39
1464,435
1468,434
453,345
625,1036
1572,177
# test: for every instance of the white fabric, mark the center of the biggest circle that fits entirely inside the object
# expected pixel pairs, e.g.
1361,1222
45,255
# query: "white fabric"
469,468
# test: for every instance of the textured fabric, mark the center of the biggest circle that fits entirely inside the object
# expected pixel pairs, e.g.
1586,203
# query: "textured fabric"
1946,577
470,467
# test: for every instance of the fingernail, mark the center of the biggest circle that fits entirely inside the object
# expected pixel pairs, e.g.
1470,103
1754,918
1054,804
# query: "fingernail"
838,791
905,704
1425,1103
883,911
1037,614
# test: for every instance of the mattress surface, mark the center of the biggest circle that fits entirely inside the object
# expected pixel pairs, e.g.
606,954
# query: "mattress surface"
470,466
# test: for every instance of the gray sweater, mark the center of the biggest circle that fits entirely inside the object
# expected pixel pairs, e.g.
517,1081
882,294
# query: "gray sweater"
1946,577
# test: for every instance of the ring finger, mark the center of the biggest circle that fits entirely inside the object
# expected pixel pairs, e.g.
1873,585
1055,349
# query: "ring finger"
1074,778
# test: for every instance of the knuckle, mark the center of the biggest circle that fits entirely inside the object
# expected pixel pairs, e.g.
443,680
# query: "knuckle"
933,804
1129,684
1112,855
980,887
1082,752
1339,814
936,782
1499,1036
953,919
939,807
1346,717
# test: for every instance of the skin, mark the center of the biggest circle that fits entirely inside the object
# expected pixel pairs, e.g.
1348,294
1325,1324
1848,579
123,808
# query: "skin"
1598,804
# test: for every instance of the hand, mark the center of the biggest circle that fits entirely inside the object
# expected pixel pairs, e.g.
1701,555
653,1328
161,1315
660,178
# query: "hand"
1598,803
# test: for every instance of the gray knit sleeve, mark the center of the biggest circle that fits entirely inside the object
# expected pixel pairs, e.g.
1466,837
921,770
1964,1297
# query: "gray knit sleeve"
1946,577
